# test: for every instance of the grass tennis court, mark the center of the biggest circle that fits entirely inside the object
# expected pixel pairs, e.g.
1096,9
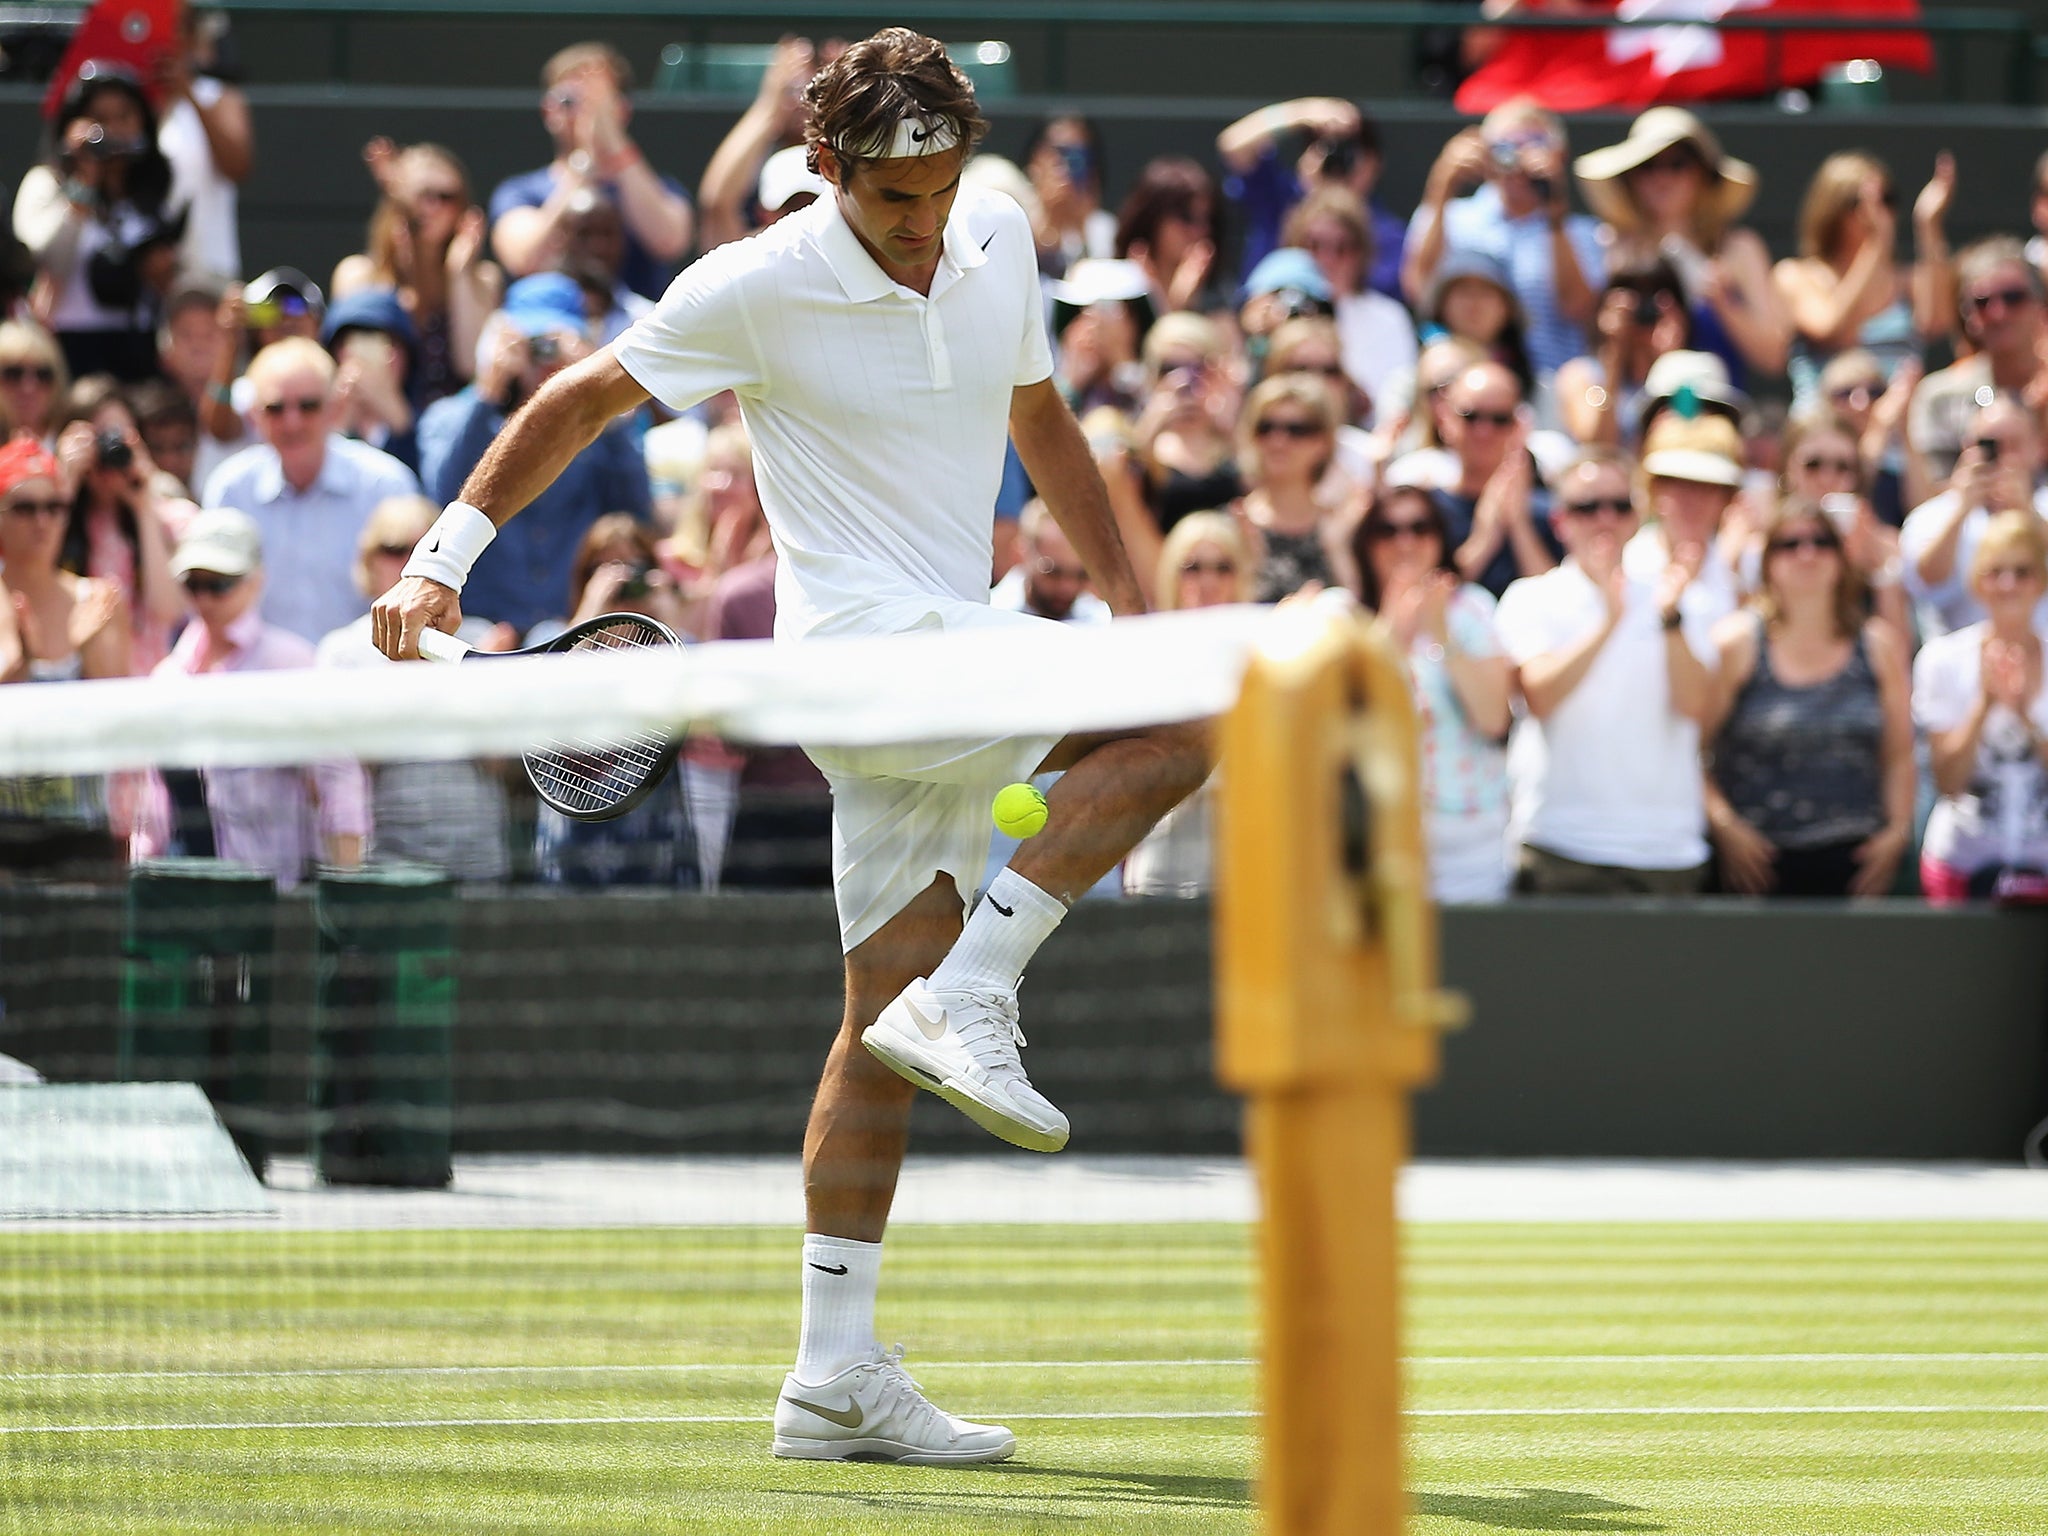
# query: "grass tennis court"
1711,1379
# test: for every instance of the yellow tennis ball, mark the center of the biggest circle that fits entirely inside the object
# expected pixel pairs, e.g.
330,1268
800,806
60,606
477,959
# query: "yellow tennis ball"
1019,810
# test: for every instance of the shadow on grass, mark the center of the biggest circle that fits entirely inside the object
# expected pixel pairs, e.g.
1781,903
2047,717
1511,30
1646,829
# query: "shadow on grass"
1160,1490
1535,1509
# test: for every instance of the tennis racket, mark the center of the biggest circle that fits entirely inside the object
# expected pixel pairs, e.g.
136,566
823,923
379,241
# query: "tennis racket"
598,777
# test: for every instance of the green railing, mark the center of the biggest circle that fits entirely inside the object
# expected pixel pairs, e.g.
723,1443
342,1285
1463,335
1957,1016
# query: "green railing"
1056,21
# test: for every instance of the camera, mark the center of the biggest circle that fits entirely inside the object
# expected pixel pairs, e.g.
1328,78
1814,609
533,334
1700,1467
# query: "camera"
98,145
1078,165
1987,449
1506,157
1340,158
639,582
111,450
544,349
1648,310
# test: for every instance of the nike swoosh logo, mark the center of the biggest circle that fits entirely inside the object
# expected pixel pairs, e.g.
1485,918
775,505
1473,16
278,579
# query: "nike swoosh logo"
848,1417
431,548
988,242
932,1026
827,1269
919,135
1006,911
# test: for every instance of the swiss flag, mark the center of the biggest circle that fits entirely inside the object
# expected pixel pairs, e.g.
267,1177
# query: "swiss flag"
1689,58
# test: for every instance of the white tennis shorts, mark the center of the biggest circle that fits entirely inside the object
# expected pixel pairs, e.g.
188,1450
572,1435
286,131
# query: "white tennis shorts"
905,812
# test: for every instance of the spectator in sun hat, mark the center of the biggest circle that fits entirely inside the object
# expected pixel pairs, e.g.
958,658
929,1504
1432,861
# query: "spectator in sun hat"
374,345
1692,469
543,328
1689,384
281,820
1668,189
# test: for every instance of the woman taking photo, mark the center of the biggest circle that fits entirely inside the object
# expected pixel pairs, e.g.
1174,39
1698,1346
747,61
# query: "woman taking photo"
1980,697
1811,790
427,241
1443,624
1668,190
96,216
1845,289
121,527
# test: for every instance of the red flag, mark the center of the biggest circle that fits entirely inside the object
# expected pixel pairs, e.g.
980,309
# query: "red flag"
1689,57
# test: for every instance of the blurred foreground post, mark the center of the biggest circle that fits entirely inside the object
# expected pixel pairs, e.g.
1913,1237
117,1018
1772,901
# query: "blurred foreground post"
1327,1019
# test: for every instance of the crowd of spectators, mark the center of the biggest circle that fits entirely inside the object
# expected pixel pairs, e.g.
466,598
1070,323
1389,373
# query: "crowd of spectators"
1716,567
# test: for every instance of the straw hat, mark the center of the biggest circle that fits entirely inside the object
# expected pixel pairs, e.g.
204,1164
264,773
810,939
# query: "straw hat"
1731,183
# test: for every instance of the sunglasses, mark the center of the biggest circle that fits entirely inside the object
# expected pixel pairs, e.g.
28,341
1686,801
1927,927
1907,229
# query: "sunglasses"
1209,568
1670,163
211,586
1488,418
1051,569
1791,544
394,551
1301,430
441,195
1848,394
1816,464
308,405
1613,506
21,373
2011,298
51,508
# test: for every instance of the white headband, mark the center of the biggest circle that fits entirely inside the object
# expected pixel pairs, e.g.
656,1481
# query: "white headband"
913,136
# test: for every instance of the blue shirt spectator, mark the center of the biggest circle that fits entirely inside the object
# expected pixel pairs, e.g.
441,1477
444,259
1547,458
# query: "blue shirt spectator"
1343,149
520,579
1479,223
1267,193
309,490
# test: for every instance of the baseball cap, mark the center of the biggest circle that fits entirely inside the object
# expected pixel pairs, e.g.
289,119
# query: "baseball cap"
784,175
221,540
545,302
1288,267
1701,376
369,309
1100,280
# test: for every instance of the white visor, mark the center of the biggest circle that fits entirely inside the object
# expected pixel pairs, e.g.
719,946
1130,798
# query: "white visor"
912,136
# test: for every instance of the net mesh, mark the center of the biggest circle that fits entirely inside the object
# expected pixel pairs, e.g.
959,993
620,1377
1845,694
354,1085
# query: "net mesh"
461,1190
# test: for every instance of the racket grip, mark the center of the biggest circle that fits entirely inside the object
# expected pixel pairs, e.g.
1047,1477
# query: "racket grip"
435,646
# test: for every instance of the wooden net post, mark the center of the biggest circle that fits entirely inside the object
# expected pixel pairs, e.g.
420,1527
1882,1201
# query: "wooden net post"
1328,1014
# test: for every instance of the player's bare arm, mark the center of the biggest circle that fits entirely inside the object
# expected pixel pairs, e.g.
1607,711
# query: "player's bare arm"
563,418
1055,453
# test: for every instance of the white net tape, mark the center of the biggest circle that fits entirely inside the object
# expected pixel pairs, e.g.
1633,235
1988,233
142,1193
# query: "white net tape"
851,692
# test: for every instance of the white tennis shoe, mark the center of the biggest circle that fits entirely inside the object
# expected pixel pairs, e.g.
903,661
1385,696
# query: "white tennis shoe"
873,1411
963,1047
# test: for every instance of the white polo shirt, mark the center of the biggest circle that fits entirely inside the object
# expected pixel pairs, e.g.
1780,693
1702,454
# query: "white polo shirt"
878,415
1613,776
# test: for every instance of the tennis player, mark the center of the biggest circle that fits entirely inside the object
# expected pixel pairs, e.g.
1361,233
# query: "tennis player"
882,342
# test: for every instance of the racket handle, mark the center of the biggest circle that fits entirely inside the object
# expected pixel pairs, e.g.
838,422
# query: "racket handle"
435,646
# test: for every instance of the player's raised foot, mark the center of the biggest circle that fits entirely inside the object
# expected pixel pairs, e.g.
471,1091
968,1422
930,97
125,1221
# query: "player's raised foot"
873,1411
963,1047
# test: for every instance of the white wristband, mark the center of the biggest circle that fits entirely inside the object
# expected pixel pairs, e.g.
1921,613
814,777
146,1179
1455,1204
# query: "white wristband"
451,546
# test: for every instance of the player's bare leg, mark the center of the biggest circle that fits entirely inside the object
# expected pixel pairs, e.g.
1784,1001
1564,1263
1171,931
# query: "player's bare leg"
957,1031
847,1399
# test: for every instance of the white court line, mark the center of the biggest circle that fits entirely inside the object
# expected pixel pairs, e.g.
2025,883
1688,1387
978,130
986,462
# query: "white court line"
1974,1357
1745,1411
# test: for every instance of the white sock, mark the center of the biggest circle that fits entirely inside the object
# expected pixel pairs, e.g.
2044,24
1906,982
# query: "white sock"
840,1277
1003,932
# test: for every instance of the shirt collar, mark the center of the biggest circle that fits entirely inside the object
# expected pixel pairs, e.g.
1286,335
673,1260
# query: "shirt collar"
269,483
195,646
860,275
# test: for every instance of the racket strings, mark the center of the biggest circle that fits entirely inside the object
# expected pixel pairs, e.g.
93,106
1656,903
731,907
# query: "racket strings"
592,774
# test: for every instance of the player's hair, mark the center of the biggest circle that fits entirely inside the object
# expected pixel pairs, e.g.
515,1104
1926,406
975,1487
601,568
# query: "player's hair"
2007,533
1851,605
1218,528
859,97
292,352
581,56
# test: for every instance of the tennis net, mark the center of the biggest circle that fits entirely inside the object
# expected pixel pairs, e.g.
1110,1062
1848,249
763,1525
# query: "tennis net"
452,1175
